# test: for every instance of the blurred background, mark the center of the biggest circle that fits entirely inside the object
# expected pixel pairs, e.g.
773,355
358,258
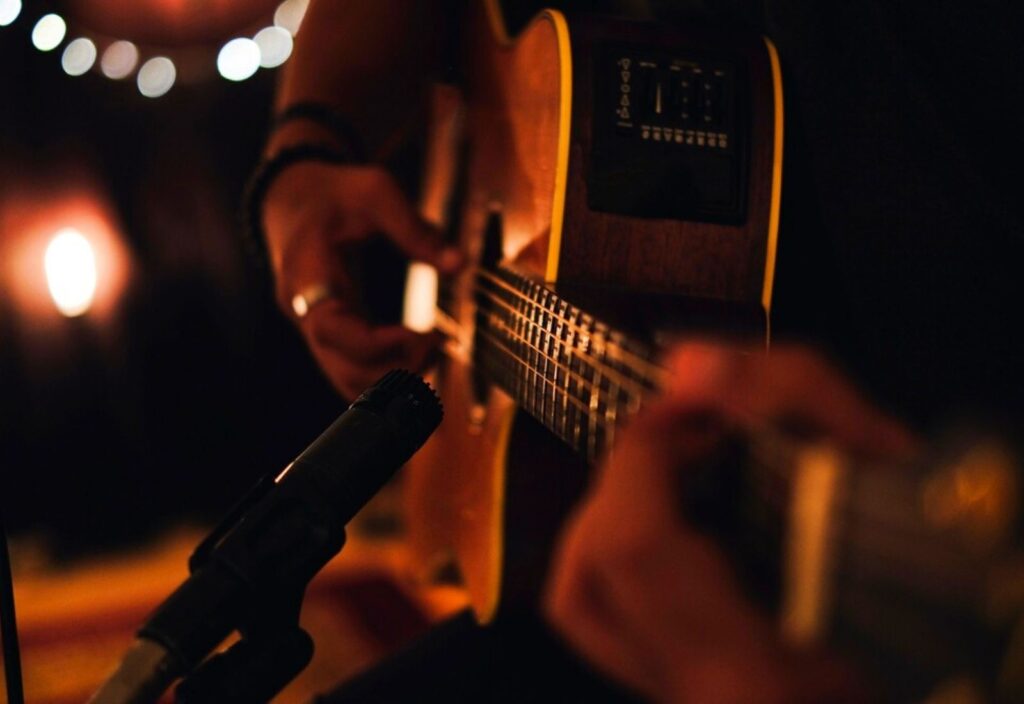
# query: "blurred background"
146,378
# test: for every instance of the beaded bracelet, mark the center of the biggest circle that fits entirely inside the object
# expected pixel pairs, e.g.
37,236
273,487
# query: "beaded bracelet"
264,176
328,118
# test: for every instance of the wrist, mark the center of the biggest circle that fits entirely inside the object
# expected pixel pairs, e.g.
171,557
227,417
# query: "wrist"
299,132
267,174
310,121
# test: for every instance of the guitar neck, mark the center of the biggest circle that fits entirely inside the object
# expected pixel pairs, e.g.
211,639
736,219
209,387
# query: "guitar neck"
893,562
576,375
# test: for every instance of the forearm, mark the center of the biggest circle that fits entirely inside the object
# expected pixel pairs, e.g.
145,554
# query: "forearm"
372,60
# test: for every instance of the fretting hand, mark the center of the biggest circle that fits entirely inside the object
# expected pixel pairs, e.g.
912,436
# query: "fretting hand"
654,603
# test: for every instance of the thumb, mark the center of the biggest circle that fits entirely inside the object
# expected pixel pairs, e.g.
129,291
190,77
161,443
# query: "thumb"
394,215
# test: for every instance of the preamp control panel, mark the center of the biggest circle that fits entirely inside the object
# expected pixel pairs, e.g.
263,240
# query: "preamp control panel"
670,135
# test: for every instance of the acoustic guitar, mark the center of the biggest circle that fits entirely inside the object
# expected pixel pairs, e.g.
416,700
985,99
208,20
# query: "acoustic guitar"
612,181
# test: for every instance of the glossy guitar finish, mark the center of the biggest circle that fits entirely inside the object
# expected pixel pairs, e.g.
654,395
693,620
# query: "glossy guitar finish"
486,495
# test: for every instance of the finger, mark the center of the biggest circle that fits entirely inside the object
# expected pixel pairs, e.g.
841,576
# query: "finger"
350,378
334,325
347,378
789,384
390,211
313,259
639,481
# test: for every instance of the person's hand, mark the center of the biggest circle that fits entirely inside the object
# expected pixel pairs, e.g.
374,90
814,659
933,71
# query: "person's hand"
315,216
655,604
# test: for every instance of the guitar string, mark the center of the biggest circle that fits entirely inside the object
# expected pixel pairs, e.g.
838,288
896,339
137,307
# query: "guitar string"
612,406
779,470
760,481
579,403
640,365
585,384
595,422
590,420
643,367
582,382
610,372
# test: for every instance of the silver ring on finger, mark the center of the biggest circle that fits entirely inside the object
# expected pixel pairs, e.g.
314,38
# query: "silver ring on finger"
310,296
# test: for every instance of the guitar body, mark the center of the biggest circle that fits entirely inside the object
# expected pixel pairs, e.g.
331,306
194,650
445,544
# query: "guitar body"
487,493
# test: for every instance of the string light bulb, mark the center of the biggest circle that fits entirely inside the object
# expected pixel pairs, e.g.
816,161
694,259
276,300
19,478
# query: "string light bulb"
9,11
238,59
49,32
79,56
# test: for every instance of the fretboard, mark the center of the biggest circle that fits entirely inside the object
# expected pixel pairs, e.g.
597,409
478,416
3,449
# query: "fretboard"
869,556
573,373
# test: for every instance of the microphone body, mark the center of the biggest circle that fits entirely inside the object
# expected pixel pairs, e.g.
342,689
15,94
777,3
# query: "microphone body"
250,574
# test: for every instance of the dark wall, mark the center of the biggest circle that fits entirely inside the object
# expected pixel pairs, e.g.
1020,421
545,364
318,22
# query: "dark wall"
196,386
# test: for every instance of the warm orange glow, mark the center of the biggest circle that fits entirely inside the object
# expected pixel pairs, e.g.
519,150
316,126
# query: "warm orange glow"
171,23
30,222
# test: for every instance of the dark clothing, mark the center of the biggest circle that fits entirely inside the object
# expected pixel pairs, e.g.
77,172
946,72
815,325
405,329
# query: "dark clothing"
901,233
515,660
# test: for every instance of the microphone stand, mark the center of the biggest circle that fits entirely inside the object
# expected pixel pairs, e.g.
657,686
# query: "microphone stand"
250,574
273,649
270,654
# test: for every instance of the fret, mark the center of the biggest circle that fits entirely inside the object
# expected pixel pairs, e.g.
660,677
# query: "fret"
561,365
586,381
627,355
516,324
554,351
581,380
594,404
614,389
601,335
533,357
562,379
549,323
609,410
632,398
524,384
511,338
642,385
495,343
574,376
543,335
537,331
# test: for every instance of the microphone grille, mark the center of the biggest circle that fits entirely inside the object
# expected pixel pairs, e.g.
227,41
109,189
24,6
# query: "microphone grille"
408,401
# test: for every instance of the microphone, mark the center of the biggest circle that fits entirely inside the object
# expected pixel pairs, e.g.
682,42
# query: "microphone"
251,572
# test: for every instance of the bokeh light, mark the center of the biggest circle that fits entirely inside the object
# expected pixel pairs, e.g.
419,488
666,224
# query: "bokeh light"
238,59
70,265
9,11
289,15
275,45
156,76
79,56
119,60
49,32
